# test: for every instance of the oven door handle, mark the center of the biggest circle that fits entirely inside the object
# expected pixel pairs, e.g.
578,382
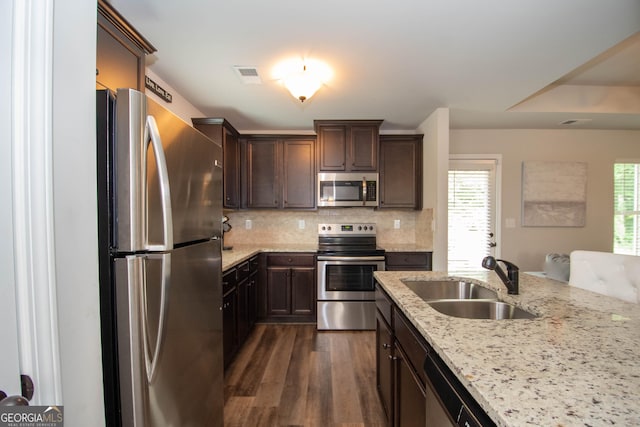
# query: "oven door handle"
350,258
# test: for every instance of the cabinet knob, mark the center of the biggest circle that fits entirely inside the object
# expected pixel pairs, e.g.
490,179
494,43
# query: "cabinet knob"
385,345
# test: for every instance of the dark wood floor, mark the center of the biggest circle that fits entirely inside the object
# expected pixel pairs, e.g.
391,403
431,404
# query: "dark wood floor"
293,375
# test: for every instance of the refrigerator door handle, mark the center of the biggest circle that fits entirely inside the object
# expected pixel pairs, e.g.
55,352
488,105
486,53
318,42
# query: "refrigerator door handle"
152,134
152,356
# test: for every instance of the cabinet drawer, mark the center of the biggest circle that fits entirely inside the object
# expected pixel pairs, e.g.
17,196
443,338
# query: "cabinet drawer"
284,260
412,260
243,270
384,304
229,280
411,344
253,264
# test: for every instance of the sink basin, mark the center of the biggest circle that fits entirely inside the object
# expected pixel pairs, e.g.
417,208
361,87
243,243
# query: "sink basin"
479,309
430,290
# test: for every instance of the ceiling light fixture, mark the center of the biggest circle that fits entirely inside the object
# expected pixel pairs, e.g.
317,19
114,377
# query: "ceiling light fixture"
302,84
302,78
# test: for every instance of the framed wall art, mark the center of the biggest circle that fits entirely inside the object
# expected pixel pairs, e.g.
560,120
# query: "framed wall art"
554,194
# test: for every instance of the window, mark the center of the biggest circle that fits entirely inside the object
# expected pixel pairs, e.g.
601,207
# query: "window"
626,199
471,215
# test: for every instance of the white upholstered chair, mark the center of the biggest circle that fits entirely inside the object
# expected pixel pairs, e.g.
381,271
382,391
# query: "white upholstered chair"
606,273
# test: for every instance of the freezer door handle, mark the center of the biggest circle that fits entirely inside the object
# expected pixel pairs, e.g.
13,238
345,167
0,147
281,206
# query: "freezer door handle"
152,134
152,352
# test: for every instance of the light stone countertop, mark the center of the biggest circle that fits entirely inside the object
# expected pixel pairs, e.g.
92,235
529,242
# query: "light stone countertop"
241,253
404,247
577,364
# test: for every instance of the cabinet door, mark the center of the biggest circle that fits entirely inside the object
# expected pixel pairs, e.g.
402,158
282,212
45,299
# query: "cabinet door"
229,334
242,328
410,400
298,174
120,51
384,365
303,291
363,148
332,148
231,168
278,291
222,132
400,172
252,299
262,174
117,65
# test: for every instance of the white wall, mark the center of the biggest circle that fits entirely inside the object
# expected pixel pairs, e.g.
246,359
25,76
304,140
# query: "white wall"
179,105
75,211
526,246
435,166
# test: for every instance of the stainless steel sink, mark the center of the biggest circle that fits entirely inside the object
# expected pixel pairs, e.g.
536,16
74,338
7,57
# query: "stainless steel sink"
430,290
480,309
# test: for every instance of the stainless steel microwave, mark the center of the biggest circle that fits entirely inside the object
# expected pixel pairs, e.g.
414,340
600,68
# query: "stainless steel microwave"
347,189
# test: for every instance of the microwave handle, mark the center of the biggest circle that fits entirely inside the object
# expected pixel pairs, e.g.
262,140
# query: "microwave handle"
364,191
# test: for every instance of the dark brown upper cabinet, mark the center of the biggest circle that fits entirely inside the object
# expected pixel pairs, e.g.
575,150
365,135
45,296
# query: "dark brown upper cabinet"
222,132
120,51
279,172
400,171
347,145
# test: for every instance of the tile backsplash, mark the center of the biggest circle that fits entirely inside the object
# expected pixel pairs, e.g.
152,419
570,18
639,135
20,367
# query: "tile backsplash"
285,226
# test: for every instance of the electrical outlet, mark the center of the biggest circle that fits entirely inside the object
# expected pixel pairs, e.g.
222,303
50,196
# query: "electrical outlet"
301,224
396,224
248,224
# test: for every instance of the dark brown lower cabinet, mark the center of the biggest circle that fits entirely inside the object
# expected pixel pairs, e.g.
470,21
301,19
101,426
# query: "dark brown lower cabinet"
229,334
398,371
239,306
290,287
252,293
417,398
384,365
410,402
242,292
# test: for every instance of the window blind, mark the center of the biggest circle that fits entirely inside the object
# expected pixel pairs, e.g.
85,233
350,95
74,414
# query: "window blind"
626,199
470,218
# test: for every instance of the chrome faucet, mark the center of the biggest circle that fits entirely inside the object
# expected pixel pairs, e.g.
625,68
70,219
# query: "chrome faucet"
510,279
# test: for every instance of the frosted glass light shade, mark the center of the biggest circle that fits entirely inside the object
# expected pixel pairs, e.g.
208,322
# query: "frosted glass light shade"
302,84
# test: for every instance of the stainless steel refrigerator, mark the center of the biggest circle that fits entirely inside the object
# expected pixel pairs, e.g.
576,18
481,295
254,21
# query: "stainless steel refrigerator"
160,228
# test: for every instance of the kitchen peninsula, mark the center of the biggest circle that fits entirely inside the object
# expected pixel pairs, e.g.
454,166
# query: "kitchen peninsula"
577,363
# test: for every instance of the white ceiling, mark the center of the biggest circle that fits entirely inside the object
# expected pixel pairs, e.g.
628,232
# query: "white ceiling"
400,60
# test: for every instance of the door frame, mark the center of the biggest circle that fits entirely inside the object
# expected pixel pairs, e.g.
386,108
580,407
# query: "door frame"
28,192
498,192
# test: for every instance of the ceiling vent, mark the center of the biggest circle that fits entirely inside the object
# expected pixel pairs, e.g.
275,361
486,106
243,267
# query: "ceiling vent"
574,122
248,75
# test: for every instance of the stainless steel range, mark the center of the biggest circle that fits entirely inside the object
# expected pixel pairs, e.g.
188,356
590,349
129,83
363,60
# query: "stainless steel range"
347,258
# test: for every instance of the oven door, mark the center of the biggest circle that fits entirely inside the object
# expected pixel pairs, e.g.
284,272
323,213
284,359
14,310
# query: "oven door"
347,278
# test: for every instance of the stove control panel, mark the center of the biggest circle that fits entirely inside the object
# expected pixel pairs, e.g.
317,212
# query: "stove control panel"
351,229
